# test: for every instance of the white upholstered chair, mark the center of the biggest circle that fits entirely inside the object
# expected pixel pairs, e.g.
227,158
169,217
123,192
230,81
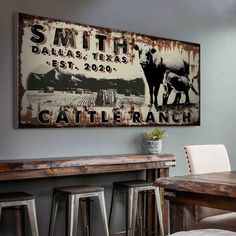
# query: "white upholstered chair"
205,232
205,159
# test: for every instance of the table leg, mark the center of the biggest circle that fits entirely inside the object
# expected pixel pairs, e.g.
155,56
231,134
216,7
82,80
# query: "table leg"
165,204
151,216
166,217
182,217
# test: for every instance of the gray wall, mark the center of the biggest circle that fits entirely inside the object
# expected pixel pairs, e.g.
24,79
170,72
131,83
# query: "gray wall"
212,23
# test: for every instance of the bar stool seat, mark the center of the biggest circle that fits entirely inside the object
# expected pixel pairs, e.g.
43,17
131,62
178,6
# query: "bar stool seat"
15,196
14,200
132,190
72,195
79,189
132,184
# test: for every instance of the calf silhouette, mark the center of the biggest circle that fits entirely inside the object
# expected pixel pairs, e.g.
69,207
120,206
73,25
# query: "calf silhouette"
180,84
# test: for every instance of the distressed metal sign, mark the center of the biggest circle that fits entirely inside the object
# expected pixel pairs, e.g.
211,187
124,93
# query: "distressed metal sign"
75,75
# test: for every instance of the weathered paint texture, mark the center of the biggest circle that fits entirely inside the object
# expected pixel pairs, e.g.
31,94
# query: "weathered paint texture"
75,75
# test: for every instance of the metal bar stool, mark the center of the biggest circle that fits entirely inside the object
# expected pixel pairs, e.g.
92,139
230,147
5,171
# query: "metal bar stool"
71,196
132,190
18,200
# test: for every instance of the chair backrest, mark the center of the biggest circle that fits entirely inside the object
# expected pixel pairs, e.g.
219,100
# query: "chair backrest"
206,159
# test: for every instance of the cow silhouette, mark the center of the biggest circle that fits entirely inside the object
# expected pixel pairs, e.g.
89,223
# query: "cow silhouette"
155,65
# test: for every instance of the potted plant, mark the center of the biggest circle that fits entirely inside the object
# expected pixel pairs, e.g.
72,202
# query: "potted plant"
154,140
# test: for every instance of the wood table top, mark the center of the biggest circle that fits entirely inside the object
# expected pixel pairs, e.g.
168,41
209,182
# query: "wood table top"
65,166
217,183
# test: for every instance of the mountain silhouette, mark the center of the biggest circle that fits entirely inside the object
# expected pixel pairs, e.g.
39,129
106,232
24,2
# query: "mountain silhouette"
70,82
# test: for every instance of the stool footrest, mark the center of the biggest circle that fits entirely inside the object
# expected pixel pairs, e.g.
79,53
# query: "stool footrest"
121,232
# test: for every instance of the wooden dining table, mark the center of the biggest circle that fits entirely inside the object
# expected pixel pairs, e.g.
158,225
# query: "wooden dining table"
154,165
216,190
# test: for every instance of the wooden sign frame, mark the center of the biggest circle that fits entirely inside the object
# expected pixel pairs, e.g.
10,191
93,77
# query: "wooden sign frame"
76,75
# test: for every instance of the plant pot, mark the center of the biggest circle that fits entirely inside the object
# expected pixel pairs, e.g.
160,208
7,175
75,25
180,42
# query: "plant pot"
154,147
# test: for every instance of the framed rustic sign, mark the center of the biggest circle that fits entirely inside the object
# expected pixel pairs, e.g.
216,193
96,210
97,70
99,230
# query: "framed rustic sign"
75,75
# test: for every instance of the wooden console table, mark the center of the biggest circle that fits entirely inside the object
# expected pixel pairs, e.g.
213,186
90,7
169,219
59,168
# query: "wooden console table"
67,166
154,165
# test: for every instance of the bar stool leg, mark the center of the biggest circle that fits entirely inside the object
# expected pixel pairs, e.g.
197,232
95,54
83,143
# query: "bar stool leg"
134,213
85,215
168,217
0,213
19,218
130,202
53,214
159,210
111,215
140,214
32,217
103,211
73,209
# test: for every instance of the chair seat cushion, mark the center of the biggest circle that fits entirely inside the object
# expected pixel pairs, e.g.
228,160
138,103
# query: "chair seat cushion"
205,232
203,212
224,221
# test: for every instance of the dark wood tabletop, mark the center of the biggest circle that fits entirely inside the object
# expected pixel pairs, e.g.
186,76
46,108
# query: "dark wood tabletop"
217,183
67,166
216,190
